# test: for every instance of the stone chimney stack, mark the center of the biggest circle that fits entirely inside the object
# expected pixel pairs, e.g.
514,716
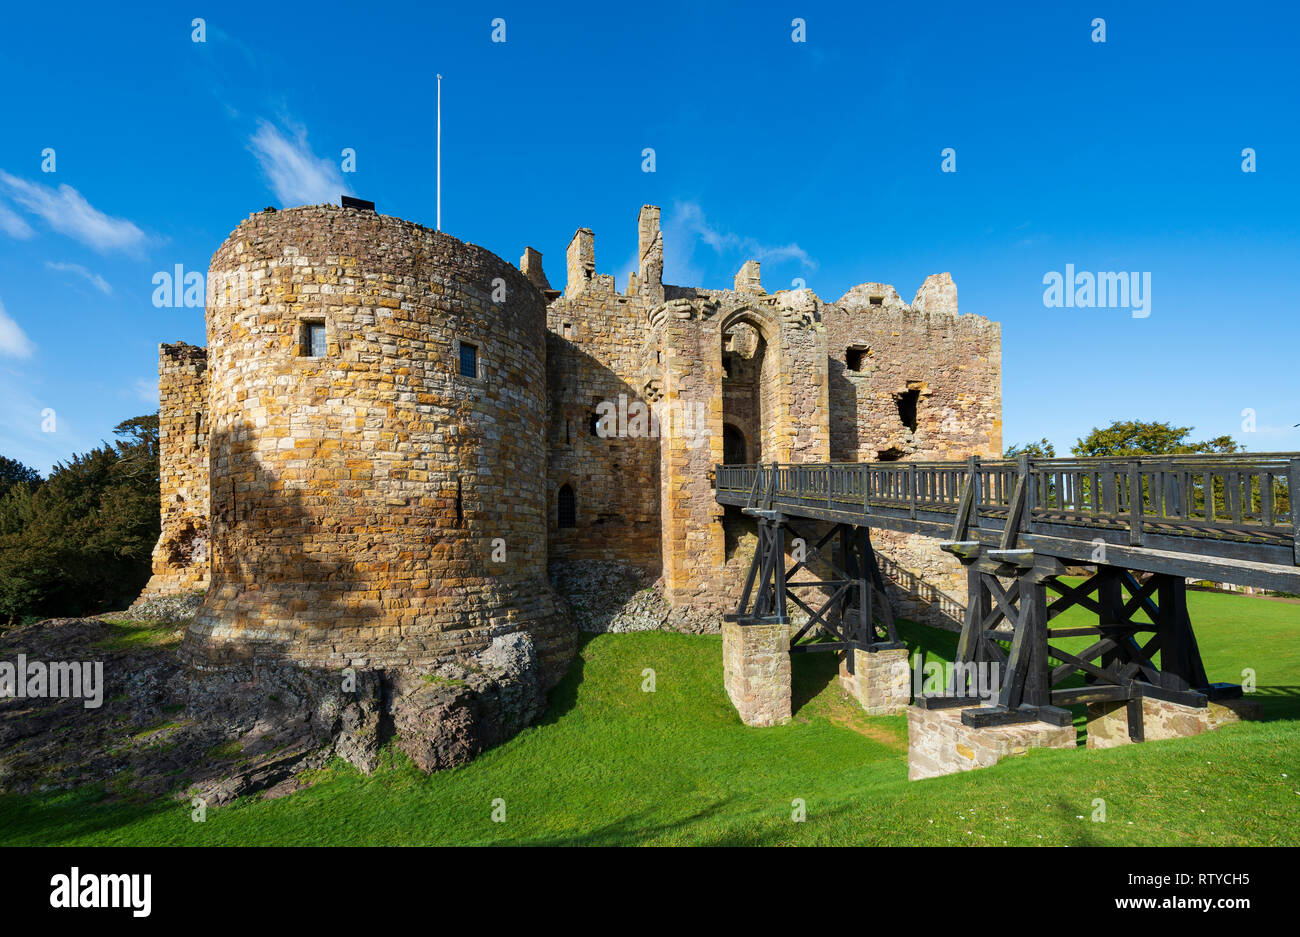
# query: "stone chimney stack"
937,295
581,262
747,279
530,265
650,254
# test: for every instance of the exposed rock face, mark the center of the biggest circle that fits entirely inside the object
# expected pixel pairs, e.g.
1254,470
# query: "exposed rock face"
235,730
610,597
448,716
178,606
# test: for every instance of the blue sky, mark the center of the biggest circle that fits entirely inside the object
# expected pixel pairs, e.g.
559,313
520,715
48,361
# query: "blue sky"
822,159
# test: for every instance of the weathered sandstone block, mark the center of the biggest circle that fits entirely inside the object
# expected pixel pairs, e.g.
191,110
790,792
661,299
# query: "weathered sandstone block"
756,671
881,681
1108,722
938,743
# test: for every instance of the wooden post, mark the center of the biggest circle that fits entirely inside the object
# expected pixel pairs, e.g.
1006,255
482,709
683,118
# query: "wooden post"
1180,657
778,552
1110,598
1016,510
1293,490
969,498
1033,618
978,606
1135,503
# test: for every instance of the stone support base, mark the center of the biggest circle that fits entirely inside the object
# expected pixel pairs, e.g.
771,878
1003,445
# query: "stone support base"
881,681
756,671
1108,722
938,743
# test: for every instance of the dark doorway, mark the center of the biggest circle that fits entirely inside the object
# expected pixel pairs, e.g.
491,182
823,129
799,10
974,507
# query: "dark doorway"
907,407
568,508
733,445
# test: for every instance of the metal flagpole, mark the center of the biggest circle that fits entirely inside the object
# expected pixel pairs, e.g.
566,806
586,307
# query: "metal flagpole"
439,219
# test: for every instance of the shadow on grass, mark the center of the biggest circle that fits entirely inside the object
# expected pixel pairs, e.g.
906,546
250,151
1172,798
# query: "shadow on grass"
932,642
85,811
809,675
563,697
746,825
1276,702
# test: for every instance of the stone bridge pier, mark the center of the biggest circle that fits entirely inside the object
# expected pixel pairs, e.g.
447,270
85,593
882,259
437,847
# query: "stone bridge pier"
756,671
847,613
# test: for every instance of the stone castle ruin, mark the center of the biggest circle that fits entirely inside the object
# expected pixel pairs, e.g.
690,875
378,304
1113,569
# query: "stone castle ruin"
396,444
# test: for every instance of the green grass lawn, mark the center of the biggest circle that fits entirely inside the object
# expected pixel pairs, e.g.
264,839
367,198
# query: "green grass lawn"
611,764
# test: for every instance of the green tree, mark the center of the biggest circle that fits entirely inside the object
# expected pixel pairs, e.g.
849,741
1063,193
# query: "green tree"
1130,438
13,472
1035,450
81,542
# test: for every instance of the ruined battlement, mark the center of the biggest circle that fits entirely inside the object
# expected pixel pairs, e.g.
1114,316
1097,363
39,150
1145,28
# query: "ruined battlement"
379,403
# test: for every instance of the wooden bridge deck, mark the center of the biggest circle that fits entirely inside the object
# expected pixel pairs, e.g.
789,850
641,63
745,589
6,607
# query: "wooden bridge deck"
1225,518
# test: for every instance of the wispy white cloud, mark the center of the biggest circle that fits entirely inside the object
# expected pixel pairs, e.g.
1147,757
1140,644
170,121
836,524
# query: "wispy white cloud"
689,217
295,174
93,278
146,391
12,224
13,340
66,210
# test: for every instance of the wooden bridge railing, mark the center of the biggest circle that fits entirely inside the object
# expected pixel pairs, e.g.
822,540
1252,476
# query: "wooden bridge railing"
1242,498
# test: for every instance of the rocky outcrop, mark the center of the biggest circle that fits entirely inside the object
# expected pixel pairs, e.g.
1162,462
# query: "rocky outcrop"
217,734
609,597
449,715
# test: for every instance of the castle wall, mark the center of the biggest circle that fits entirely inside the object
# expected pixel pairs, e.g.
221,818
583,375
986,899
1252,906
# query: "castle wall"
791,407
356,497
180,558
594,355
952,365
373,506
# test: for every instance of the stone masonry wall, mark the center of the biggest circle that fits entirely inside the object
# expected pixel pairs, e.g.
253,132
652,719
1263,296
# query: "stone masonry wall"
756,672
883,351
594,345
374,506
180,558
1161,719
938,743
355,499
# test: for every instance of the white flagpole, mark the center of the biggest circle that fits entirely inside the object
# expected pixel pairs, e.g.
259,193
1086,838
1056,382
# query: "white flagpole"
439,221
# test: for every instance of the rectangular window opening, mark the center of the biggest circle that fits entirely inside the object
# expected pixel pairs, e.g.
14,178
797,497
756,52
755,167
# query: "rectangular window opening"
313,340
906,402
855,359
468,360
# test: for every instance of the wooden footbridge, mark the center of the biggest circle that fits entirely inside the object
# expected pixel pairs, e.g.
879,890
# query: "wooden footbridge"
1145,525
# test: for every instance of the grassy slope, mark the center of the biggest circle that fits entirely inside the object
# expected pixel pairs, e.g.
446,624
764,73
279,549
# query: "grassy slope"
612,764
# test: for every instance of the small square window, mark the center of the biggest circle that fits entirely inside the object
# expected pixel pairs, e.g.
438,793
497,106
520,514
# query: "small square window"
877,300
313,340
855,359
468,360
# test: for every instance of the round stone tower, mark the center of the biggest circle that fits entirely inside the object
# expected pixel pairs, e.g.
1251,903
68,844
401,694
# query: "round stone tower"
377,447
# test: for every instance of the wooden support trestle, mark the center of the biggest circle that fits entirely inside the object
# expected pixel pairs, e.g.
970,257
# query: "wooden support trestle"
1014,594
853,613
